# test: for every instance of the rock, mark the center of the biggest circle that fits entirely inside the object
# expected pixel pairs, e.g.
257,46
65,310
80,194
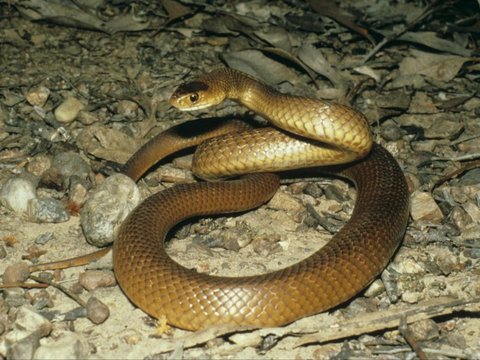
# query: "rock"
127,108
68,110
424,207
44,238
69,164
108,205
70,346
3,252
284,201
39,164
29,328
16,273
46,210
93,279
424,330
97,311
16,193
376,288
38,96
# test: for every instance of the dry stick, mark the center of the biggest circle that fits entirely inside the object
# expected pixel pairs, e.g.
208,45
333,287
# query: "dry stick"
430,10
23,285
465,167
72,262
383,320
61,288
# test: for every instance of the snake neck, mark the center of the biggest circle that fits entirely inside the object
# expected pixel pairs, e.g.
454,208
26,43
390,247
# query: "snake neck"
244,89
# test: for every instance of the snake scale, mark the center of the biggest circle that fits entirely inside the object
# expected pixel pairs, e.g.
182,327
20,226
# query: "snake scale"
305,133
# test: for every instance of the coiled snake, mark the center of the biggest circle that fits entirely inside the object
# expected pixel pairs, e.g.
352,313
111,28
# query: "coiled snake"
306,133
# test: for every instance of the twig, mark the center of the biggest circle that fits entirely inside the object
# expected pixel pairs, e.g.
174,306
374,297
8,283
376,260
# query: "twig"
428,11
383,320
454,173
72,262
23,285
61,288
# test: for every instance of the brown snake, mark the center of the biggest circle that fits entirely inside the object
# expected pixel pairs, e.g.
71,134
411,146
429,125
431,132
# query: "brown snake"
312,132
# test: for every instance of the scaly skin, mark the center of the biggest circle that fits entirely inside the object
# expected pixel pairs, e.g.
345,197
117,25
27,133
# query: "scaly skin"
332,275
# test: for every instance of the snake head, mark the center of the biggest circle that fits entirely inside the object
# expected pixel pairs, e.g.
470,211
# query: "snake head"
196,95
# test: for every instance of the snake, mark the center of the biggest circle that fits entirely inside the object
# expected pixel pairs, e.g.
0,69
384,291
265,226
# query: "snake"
303,133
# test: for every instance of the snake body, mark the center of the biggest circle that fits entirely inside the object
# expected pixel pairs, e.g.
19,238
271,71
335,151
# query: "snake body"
311,132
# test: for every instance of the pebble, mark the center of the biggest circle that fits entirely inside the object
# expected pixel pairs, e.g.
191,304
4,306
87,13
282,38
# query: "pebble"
46,210
424,330
93,279
127,108
16,273
70,346
44,238
66,165
3,252
473,211
16,193
376,288
38,95
424,207
411,297
14,297
97,311
39,164
390,131
284,201
68,110
103,211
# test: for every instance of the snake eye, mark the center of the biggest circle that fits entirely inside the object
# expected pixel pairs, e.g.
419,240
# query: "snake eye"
194,98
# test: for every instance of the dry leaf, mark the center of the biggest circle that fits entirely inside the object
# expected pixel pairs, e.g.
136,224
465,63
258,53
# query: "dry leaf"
431,40
436,66
330,9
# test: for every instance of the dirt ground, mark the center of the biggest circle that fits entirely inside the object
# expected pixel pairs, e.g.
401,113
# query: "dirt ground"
94,80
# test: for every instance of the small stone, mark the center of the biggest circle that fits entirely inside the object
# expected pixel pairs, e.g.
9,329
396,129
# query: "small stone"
97,311
16,193
425,208
16,273
93,279
68,110
391,132
460,218
411,297
28,320
14,297
69,164
473,211
44,238
127,108
376,288
424,330
284,201
39,164
103,212
3,252
38,96
46,210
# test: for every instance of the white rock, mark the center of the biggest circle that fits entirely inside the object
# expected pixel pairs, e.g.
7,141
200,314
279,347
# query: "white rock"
38,96
70,346
16,193
106,208
68,110
425,208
